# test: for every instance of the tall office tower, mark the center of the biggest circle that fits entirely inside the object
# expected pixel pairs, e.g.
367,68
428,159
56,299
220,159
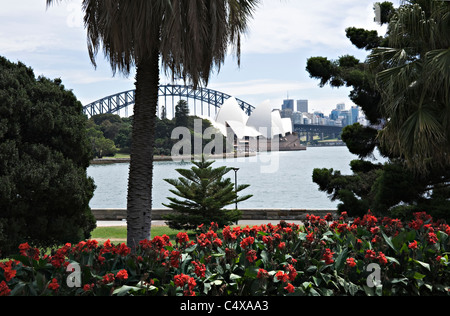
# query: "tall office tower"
355,114
302,106
340,106
288,105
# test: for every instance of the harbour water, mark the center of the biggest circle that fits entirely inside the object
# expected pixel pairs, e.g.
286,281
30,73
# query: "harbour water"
277,179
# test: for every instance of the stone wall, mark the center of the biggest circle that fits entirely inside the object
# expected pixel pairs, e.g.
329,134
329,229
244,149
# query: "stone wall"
247,214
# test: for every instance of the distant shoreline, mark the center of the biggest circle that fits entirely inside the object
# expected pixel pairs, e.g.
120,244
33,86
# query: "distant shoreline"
107,161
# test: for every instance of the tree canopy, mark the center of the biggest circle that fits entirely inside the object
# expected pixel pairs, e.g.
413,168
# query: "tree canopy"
44,153
403,88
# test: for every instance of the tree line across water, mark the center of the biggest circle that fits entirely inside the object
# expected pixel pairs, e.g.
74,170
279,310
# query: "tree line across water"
111,134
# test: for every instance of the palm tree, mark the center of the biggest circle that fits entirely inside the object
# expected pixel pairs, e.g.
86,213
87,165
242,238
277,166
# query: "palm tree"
189,38
414,81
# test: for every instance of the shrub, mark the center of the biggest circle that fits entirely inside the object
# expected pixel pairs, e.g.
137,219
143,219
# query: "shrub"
205,193
322,257
44,154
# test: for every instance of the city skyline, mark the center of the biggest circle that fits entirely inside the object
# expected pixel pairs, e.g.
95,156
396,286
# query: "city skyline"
281,37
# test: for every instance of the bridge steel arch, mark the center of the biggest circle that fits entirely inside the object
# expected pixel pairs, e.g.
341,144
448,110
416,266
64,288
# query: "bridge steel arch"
123,100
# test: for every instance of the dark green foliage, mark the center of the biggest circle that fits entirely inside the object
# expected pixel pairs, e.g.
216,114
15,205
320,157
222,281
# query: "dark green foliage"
204,194
109,134
360,140
44,154
354,191
362,38
393,188
181,113
321,68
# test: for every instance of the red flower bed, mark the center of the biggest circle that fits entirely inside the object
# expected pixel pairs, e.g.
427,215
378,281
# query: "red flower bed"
365,256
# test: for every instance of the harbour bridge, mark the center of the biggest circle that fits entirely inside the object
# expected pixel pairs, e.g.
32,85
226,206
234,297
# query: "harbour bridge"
205,102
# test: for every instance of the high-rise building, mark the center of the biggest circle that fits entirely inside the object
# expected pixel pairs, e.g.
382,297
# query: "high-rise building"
340,106
302,106
288,105
355,114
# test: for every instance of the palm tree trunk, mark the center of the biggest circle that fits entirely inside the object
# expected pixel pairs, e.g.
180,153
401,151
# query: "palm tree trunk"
139,204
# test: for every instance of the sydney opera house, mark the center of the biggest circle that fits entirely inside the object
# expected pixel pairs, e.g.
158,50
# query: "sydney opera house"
260,131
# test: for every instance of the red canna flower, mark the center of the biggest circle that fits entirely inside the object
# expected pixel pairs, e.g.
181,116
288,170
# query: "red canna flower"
4,289
182,238
351,262
88,287
247,242
290,288
175,258
342,228
292,273
8,270
200,269
382,258
217,242
108,278
53,285
281,276
262,274
374,230
432,238
181,280
251,256
370,254
122,275
24,248
413,245
328,256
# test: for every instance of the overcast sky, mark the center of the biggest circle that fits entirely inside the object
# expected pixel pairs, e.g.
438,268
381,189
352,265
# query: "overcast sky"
282,36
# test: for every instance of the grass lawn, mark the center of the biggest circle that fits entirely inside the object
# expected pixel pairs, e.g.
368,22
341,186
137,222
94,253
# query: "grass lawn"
119,234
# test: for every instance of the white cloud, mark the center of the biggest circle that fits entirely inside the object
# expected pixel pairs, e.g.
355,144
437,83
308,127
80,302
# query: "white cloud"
255,87
285,26
53,42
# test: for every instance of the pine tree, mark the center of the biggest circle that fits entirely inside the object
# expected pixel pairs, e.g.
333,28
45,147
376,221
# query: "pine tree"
206,193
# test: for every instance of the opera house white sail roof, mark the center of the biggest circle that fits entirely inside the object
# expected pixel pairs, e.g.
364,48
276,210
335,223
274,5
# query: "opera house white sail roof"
263,121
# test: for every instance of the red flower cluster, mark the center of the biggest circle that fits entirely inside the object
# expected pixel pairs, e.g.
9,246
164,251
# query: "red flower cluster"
200,269
4,289
8,269
351,262
246,242
186,283
53,285
328,256
182,238
26,250
372,255
273,259
122,275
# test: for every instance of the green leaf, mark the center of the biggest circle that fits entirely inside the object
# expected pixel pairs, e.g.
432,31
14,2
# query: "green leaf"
419,276
265,258
398,280
392,259
124,290
423,264
388,241
353,288
235,277
311,269
340,260
191,249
